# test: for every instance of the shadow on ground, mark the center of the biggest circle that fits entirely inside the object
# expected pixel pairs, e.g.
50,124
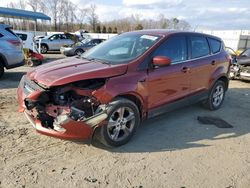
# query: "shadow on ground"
11,79
180,129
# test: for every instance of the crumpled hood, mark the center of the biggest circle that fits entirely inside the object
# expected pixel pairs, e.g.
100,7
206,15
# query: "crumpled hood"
73,69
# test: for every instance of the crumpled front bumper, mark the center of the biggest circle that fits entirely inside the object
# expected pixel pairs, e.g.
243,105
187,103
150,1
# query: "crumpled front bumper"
73,130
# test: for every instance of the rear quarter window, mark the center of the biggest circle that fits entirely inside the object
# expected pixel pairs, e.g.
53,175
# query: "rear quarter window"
199,46
1,35
215,45
22,36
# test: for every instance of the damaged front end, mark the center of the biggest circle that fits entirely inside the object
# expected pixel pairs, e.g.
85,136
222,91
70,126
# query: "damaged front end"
68,112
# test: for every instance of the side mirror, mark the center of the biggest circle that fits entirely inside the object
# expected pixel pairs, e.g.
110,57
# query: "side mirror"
161,61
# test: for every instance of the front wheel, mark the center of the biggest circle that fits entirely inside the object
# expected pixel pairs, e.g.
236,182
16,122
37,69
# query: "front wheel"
44,49
122,122
216,96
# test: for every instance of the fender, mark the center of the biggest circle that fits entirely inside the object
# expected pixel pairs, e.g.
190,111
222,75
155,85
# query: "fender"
123,85
217,74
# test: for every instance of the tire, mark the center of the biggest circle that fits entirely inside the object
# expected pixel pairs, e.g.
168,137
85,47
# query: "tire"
44,49
79,52
120,127
1,69
216,96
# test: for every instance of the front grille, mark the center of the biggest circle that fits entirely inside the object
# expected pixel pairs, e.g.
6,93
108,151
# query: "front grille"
30,86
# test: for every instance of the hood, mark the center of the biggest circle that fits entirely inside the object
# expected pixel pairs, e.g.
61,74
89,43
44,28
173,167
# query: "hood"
73,69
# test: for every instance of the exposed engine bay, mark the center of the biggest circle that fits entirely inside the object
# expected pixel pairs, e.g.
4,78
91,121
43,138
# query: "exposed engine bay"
57,105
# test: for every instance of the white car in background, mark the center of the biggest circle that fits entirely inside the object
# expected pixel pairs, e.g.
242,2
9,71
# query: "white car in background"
27,38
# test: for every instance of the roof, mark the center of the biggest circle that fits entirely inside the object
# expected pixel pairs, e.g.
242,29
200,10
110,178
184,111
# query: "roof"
23,14
166,32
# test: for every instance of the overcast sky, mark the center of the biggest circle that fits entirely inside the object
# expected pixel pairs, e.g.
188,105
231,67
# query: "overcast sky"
208,14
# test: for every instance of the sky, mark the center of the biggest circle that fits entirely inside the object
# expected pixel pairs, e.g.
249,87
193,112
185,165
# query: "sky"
201,14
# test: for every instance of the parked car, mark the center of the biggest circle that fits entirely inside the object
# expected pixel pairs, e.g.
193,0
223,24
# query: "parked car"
54,42
80,47
240,68
27,38
11,54
113,87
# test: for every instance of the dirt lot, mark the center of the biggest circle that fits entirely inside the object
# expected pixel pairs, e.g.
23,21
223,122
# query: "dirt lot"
172,150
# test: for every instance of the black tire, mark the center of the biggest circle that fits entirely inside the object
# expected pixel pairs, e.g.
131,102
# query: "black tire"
103,133
1,69
214,100
79,52
44,49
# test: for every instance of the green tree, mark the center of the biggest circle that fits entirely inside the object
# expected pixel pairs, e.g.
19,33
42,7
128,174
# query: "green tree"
98,29
104,29
109,30
115,30
139,27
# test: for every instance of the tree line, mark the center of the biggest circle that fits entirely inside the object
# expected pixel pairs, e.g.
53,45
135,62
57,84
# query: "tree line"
69,17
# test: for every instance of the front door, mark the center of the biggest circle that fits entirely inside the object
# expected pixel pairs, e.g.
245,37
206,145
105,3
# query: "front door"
170,83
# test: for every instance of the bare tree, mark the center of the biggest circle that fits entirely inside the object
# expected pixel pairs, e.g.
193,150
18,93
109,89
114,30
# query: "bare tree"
92,17
53,7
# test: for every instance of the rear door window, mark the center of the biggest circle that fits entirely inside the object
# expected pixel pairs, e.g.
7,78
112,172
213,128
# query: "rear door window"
174,48
199,46
215,45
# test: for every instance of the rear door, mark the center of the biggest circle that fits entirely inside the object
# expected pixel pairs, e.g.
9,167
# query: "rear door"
170,83
66,40
203,63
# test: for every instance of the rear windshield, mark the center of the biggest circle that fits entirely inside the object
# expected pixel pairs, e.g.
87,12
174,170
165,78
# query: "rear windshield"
22,36
11,32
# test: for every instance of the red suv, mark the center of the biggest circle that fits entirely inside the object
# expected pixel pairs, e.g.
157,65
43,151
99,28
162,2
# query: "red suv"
110,89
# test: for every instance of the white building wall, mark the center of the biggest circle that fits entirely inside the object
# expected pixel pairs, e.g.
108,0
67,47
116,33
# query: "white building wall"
231,38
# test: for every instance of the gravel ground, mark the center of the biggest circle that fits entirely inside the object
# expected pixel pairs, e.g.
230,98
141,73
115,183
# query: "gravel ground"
172,150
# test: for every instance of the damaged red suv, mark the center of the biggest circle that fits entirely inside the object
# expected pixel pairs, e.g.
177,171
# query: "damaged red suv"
111,89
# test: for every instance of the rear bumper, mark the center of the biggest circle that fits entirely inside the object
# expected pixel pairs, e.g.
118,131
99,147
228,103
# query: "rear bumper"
15,65
67,52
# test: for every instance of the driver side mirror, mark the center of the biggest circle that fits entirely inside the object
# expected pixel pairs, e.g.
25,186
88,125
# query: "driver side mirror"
160,61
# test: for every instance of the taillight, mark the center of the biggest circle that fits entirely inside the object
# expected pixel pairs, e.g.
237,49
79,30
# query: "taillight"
15,42
229,59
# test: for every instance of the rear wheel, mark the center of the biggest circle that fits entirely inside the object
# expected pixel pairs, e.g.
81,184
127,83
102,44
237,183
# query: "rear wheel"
122,122
216,96
1,69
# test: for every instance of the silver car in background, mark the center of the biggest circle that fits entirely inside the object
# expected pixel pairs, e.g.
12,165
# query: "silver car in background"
54,42
11,49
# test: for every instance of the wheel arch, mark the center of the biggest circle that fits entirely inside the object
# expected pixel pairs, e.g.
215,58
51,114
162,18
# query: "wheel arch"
45,45
3,60
136,99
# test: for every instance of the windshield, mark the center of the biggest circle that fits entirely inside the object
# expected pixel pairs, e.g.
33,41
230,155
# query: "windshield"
84,41
122,48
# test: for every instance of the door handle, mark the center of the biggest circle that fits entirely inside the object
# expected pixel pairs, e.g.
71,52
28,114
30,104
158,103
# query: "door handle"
142,80
185,69
213,62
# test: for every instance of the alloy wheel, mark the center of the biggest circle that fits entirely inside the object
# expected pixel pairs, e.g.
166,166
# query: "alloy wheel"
121,124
